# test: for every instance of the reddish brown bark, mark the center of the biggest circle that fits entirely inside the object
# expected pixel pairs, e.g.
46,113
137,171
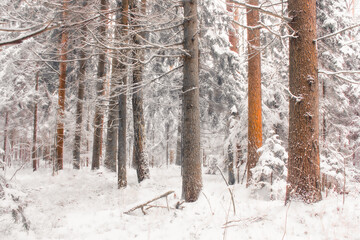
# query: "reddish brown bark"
304,161
122,178
61,98
254,89
233,28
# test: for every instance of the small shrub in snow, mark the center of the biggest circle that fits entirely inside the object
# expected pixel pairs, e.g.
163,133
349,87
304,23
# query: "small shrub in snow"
269,175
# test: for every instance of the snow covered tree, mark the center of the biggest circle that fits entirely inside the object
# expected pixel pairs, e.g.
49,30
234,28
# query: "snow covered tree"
140,159
121,67
61,100
99,108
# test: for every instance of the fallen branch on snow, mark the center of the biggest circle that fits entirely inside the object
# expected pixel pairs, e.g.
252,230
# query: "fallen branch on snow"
141,206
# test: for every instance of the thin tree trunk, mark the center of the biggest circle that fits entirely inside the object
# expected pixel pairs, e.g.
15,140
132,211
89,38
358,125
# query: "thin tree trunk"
254,90
33,155
179,138
61,101
324,113
142,163
231,165
122,178
304,161
233,28
80,99
117,91
191,177
167,126
99,113
5,135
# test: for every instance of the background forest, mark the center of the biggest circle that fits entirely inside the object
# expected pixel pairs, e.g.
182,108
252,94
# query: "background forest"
90,88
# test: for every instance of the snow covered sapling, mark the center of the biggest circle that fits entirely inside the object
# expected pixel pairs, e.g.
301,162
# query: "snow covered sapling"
269,175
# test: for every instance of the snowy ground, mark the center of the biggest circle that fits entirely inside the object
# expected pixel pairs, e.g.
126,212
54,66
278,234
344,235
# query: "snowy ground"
87,205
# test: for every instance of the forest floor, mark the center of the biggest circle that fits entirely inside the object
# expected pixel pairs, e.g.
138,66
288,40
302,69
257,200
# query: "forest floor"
87,205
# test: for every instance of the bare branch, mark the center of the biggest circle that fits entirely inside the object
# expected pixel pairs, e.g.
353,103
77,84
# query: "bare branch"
338,76
337,32
286,18
26,36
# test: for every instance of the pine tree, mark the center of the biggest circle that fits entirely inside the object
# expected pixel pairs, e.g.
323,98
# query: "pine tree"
304,161
34,147
122,179
141,161
80,98
254,89
191,177
99,113
62,86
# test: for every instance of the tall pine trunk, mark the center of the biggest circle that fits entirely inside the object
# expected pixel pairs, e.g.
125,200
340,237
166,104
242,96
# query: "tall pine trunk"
61,100
122,178
99,113
233,28
191,177
304,161
254,89
116,134
33,154
80,99
142,163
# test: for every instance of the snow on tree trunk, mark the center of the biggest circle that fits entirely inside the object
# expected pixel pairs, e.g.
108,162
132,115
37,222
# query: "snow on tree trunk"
61,100
122,179
79,106
5,136
99,113
304,161
254,89
141,162
191,177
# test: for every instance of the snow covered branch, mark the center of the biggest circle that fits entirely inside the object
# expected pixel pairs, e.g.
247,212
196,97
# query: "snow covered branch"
20,39
286,18
336,74
337,32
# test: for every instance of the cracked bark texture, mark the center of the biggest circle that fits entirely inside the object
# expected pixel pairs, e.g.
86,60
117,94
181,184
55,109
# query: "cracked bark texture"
304,161
140,160
191,175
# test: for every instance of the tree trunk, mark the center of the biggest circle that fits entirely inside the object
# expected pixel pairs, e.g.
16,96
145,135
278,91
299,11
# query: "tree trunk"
122,178
80,99
61,101
304,161
179,137
191,177
112,124
99,113
142,163
233,28
254,90
33,154
167,126
5,135
231,165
